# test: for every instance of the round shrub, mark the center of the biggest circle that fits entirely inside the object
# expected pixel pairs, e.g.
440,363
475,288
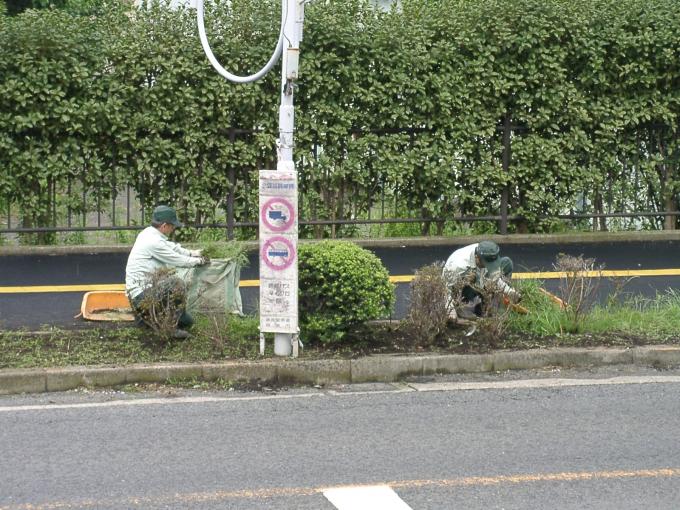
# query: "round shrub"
341,285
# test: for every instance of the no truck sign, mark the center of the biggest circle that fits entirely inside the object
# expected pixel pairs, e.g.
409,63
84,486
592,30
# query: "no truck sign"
278,214
278,254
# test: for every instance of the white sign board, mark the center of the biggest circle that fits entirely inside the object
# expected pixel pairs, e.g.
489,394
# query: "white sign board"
278,252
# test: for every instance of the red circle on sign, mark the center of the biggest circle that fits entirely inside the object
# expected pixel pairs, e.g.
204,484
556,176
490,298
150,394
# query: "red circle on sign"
266,212
269,250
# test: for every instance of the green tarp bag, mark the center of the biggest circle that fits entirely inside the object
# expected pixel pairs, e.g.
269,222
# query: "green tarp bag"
213,288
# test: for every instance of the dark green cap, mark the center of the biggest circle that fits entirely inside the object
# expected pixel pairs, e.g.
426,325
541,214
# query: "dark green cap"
166,214
488,251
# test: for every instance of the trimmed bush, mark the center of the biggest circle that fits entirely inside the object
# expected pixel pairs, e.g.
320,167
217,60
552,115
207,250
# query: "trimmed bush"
341,285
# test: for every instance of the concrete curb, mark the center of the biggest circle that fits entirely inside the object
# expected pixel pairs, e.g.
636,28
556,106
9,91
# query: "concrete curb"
379,368
393,242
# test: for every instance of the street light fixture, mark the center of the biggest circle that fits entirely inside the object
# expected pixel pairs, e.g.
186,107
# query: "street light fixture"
278,189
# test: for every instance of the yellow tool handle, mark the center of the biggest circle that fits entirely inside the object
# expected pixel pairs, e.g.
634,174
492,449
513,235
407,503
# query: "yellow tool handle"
553,297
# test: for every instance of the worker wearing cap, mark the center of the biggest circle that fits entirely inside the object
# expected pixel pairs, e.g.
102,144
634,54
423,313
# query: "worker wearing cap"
506,267
153,251
471,265
499,278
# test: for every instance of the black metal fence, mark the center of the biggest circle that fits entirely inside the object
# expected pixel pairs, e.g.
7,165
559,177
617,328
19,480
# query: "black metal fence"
75,208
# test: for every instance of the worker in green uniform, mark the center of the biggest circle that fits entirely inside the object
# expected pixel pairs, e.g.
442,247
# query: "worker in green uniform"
154,292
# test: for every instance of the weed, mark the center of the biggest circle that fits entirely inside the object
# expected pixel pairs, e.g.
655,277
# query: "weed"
125,345
577,287
638,320
164,300
125,237
494,321
199,384
656,318
73,238
430,305
544,317
227,333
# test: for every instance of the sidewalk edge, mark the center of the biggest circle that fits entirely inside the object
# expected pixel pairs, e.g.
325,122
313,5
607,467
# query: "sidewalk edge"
378,368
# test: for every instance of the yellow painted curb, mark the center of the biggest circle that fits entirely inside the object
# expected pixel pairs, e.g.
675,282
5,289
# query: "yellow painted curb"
541,275
59,288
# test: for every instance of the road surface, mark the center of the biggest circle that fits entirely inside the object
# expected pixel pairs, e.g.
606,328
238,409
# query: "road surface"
519,440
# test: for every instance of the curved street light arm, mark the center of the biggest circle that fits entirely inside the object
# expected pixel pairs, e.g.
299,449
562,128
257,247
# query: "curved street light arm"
221,70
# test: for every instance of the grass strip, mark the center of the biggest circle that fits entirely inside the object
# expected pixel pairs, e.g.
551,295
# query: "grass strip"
633,321
229,338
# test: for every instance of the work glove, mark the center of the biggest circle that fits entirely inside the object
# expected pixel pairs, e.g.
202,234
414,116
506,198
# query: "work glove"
196,253
204,260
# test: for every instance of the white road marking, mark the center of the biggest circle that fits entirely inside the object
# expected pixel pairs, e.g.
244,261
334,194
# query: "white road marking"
377,497
396,388
153,401
410,387
542,383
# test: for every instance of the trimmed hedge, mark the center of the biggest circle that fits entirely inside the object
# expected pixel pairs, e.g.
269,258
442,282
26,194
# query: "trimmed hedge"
591,89
341,285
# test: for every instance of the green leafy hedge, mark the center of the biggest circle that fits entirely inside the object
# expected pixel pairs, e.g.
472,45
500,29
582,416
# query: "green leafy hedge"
341,285
590,88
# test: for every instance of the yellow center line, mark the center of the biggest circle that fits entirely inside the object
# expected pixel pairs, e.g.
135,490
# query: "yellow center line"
540,275
193,498
539,477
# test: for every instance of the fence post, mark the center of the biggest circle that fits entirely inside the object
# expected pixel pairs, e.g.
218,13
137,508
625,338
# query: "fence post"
506,166
230,195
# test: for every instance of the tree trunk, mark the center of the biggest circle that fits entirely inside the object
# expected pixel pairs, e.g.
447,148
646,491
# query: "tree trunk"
425,226
39,218
599,209
670,205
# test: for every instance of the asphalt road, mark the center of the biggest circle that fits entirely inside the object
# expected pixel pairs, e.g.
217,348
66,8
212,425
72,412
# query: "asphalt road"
33,310
604,446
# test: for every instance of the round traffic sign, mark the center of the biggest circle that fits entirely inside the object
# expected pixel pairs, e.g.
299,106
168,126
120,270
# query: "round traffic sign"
278,253
278,214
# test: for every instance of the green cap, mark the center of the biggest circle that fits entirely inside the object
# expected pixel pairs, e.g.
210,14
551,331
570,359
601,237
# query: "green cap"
166,214
488,251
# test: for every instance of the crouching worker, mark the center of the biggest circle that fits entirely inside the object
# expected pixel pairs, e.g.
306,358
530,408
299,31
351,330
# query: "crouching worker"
158,298
469,270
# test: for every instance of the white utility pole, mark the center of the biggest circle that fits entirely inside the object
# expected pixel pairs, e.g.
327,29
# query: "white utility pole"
278,190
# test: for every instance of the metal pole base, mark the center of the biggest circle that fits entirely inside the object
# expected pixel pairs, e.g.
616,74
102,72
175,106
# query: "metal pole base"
282,344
